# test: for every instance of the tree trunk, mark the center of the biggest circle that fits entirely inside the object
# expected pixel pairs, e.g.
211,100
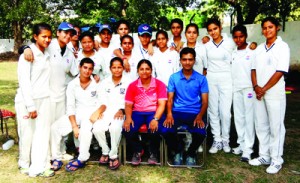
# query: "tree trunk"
252,12
240,19
17,31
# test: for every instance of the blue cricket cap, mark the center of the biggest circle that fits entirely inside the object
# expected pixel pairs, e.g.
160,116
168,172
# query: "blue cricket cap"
65,26
105,26
144,29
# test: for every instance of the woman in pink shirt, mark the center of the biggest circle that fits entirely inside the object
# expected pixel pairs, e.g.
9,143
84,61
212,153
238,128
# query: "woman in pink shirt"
145,102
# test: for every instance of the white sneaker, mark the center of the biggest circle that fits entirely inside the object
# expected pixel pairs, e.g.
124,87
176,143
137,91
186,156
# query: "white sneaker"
273,168
215,147
226,147
200,149
259,161
67,157
237,150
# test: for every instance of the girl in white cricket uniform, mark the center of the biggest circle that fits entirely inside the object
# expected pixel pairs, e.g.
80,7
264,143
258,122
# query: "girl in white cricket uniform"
32,104
84,108
122,29
63,69
87,42
271,62
74,44
191,34
176,41
113,89
132,57
243,94
164,60
219,51
106,47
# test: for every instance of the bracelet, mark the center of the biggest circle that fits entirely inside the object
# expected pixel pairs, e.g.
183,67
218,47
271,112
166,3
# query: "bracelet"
255,87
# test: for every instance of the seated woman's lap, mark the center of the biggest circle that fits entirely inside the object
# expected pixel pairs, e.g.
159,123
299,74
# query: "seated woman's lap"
140,118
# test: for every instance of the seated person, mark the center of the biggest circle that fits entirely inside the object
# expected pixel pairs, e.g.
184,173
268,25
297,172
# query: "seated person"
113,89
186,106
84,109
145,102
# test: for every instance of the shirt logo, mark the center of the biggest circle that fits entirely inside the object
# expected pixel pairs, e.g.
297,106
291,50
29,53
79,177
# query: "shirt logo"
70,26
247,57
250,95
93,93
107,90
68,60
122,91
169,61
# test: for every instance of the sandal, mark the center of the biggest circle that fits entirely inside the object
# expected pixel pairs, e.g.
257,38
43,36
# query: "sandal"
103,159
76,166
112,162
56,165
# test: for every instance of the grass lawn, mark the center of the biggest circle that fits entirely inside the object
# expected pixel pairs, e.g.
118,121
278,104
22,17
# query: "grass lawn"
220,167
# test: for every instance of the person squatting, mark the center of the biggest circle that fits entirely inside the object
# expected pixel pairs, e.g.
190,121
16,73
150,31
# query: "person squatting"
77,84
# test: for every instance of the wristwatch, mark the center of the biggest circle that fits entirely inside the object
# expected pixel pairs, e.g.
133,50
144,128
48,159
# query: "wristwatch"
155,118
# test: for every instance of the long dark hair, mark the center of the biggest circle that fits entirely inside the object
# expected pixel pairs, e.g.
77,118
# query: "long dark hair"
37,29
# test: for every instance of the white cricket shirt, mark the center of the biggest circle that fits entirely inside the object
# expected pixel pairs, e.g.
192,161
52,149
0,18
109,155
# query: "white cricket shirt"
276,58
241,68
33,78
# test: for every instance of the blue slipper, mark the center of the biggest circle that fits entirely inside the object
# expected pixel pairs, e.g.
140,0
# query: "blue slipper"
72,165
56,165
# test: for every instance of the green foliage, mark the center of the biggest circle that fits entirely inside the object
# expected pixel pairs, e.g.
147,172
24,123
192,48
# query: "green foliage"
252,11
139,12
214,8
188,16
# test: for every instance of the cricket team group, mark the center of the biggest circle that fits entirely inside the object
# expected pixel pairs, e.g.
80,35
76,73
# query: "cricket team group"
113,83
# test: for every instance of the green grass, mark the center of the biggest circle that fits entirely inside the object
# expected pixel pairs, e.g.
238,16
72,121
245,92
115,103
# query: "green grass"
220,167
8,84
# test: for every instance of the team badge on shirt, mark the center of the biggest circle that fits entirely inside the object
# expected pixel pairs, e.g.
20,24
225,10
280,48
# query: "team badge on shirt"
250,95
122,91
93,93
247,57
170,61
107,90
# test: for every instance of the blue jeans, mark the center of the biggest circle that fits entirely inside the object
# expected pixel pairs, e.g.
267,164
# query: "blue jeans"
132,138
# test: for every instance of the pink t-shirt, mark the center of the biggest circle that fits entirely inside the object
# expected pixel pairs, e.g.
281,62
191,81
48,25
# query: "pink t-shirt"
145,100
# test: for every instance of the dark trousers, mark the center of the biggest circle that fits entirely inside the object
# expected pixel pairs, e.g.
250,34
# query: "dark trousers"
186,121
132,137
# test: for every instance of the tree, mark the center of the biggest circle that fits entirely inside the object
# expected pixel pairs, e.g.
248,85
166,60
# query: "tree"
248,11
20,13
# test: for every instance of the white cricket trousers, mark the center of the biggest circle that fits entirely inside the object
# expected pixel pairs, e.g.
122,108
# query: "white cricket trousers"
62,127
114,127
34,136
269,126
57,109
243,108
219,104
